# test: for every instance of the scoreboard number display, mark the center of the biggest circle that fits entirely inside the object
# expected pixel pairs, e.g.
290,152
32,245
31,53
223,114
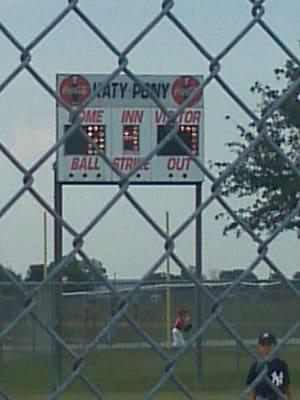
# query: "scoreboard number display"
188,134
131,139
77,143
123,123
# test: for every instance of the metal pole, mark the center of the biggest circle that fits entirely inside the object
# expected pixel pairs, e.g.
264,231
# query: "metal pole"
58,201
237,312
58,205
198,294
45,245
168,291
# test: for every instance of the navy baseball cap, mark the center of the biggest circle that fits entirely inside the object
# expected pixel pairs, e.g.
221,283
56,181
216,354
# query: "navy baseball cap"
267,339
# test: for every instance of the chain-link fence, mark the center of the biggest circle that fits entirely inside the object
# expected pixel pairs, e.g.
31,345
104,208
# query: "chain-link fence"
86,310
71,327
92,310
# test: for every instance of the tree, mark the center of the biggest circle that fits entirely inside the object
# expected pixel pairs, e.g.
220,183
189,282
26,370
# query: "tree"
161,277
192,270
231,275
291,106
296,275
78,270
296,278
6,285
5,271
225,275
264,179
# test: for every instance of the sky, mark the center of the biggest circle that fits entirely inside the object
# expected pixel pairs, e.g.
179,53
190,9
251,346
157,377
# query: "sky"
123,241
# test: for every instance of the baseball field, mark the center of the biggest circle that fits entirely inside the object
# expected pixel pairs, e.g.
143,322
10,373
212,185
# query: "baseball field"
129,374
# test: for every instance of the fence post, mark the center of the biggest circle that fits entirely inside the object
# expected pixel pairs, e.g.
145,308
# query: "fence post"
168,291
198,254
237,317
57,293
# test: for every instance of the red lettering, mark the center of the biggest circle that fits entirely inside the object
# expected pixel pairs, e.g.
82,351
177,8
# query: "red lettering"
178,163
93,116
93,163
190,117
196,117
171,163
186,117
132,116
128,163
160,117
90,116
75,163
116,162
85,163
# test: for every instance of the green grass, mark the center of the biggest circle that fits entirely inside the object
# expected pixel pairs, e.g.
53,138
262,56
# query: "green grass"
138,396
130,374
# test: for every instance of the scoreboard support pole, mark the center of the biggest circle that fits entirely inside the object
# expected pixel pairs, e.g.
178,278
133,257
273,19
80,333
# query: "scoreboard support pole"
57,289
168,291
58,203
198,294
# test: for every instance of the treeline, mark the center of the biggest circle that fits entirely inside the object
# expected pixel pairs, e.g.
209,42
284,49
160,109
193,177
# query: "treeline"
73,271
222,276
76,275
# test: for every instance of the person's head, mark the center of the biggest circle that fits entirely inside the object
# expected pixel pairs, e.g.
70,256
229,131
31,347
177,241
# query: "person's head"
182,313
266,342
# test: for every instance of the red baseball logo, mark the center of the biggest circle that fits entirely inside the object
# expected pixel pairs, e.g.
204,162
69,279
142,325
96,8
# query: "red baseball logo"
183,87
74,89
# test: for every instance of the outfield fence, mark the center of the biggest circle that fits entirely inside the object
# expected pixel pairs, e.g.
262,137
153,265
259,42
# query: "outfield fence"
85,312
42,318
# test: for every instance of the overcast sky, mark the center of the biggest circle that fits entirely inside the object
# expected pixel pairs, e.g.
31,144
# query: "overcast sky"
123,241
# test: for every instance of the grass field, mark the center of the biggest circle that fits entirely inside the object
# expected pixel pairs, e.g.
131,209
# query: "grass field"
130,374
138,396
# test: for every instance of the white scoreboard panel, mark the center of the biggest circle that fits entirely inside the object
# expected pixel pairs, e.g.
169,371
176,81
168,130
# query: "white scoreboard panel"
126,125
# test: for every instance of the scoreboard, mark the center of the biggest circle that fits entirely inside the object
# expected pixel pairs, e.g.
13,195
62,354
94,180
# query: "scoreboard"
126,125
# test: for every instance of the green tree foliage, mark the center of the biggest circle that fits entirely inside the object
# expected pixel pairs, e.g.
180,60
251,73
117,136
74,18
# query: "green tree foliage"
79,271
296,278
231,275
290,108
296,275
269,185
5,272
7,288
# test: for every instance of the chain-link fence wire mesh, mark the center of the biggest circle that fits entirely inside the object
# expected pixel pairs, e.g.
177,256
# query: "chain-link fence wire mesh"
125,302
89,311
94,309
86,312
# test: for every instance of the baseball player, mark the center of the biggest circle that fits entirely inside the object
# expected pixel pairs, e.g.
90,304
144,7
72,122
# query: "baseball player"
182,324
278,372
